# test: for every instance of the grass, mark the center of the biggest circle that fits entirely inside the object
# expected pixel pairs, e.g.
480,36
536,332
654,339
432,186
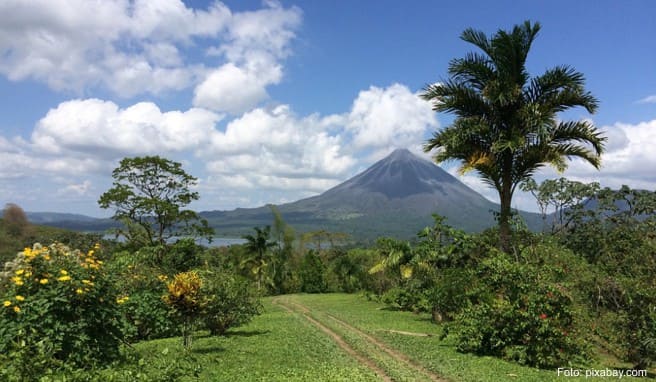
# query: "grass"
284,345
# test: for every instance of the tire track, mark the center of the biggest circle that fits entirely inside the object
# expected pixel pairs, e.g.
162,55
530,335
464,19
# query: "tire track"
391,352
335,337
395,354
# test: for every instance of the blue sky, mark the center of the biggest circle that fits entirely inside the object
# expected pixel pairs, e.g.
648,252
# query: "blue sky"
268,102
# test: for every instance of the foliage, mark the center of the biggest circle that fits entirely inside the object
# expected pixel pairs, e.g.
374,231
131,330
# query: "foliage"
507,124
258,248
146,315
60,307
313,274
187,300
562,195
520,316
148,195
15,220
230,301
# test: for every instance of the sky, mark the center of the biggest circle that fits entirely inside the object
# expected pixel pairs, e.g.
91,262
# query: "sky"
270,102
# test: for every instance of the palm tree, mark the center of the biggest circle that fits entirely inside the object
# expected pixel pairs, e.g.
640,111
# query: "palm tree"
506,124
258,247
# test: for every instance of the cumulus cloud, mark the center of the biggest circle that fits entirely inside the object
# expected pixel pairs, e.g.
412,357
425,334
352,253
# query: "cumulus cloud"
133,47
230,89
256,43
101,128
389,117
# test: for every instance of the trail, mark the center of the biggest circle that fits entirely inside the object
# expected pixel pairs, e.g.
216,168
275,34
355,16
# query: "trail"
338,340
402,358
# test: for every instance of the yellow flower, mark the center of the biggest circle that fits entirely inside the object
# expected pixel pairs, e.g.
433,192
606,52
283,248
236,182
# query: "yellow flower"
121,300
87,282
17,280
64,278
20,298
17,309
90,253
6,303
63,272
79,291
19,272
162,277
43,281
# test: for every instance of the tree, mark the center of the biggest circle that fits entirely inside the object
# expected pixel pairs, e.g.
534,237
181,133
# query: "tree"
15,220
259,250
148,195
506,124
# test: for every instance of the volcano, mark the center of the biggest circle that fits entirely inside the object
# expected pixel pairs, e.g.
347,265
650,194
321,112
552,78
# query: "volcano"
395,197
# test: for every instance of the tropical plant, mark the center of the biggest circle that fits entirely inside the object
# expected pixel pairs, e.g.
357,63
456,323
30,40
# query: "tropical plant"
148,195
507,124
60,308
258,248
187,300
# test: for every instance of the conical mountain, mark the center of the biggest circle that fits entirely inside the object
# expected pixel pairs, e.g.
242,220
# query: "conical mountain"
396,196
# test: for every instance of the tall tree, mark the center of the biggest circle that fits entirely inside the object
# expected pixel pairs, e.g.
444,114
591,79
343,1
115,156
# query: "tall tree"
507,124
148,195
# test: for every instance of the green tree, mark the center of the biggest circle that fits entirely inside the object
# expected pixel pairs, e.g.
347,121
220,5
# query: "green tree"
258,248
148,195
507,124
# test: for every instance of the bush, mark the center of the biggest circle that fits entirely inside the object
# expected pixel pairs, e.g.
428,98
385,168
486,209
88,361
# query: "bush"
59,307
145,315
521,316
313,274
231,302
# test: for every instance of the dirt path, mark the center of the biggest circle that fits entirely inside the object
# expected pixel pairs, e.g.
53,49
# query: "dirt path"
396,355
392,353
335,337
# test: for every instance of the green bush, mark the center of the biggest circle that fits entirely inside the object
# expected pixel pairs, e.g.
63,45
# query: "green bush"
231,301
313,274
522,316
60,306
145,315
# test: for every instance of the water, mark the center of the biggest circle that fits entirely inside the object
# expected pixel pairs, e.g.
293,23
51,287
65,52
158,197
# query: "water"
216,242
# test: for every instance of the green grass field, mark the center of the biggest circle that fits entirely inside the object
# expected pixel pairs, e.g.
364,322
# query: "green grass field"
333,337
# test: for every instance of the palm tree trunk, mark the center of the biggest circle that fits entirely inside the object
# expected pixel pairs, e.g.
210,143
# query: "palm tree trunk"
504,217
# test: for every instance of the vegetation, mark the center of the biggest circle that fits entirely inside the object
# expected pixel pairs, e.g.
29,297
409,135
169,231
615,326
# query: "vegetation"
503,303
148,195
507,124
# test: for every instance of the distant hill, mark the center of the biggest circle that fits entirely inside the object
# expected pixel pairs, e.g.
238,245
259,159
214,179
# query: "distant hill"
395,197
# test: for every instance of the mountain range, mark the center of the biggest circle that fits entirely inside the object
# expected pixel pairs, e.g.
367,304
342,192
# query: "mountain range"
395,197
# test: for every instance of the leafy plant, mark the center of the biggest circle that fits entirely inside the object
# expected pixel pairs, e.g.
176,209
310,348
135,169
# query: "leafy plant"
60,307
231,302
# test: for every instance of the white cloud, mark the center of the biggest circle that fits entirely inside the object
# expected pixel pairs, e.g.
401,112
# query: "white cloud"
133,47
648,99
257,41
101,128
230,89
79,189
389,117
276,149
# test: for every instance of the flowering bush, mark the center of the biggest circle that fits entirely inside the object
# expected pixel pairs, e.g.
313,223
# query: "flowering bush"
185,297
59,307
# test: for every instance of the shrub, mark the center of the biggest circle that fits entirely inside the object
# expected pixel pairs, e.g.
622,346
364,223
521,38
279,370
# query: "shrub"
146,316
522,317
313,274
231,302
185,297
59,307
